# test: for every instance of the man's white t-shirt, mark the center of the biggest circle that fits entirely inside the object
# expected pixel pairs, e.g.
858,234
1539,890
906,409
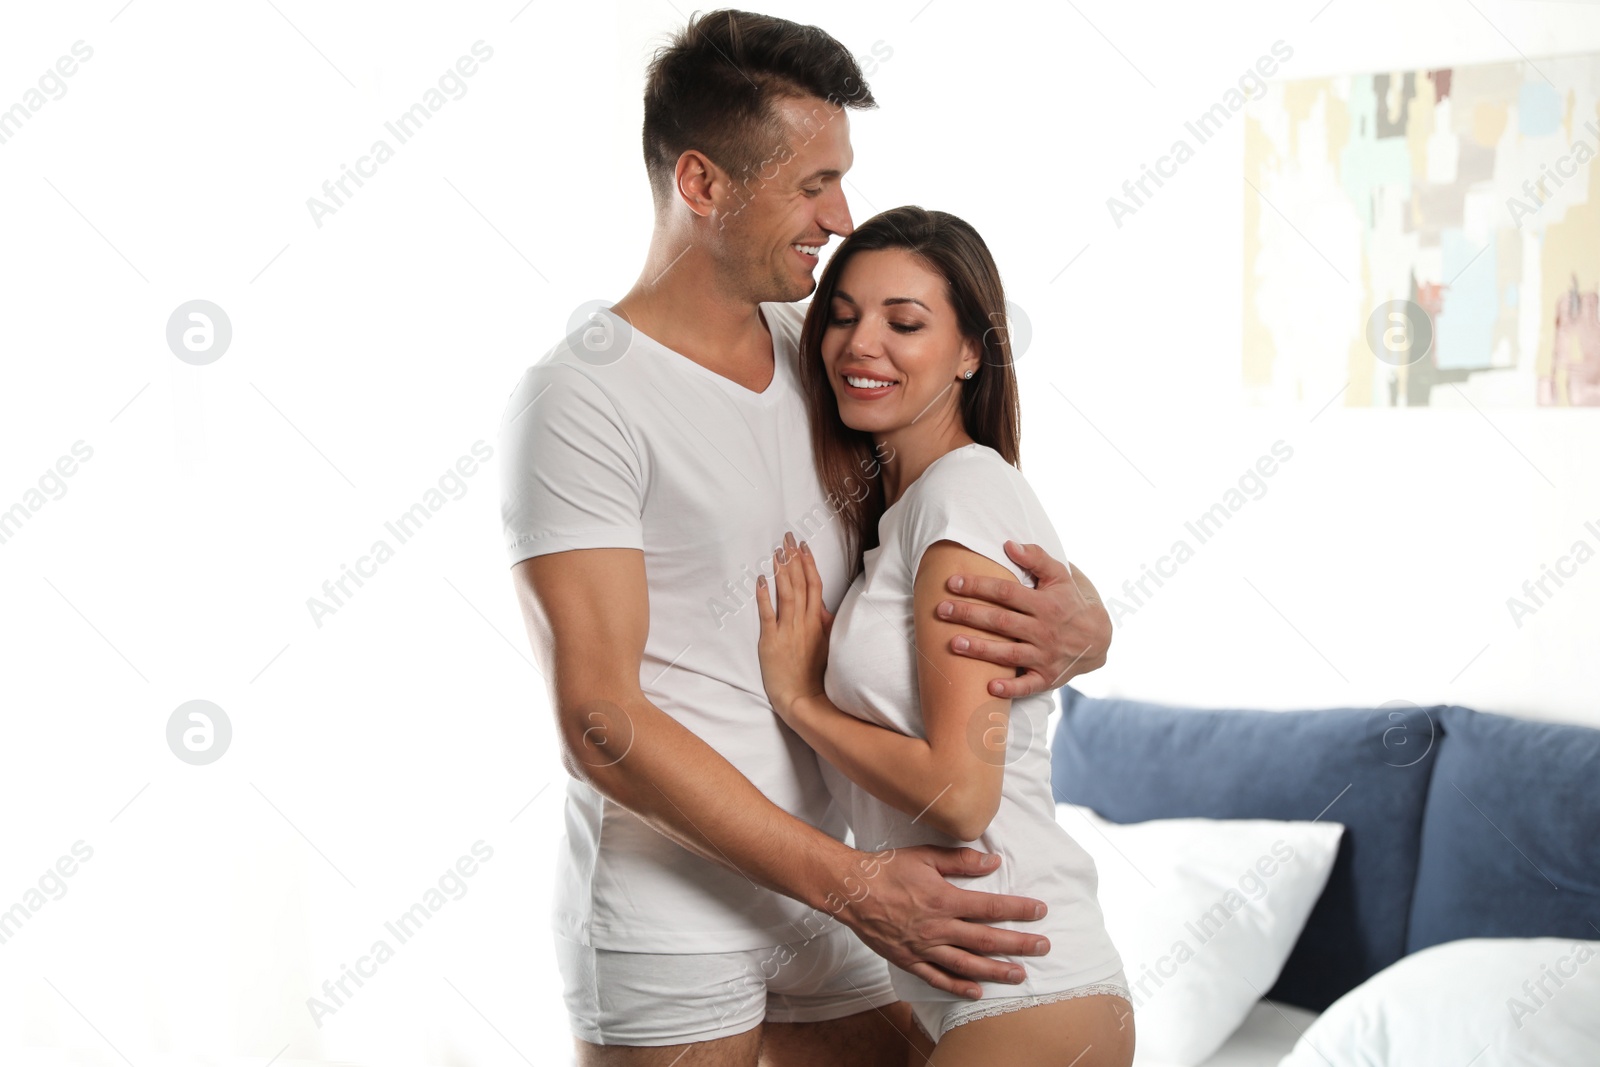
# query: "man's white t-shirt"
620,442
972,496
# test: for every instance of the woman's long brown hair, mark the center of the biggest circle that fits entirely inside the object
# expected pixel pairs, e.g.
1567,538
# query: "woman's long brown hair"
991,415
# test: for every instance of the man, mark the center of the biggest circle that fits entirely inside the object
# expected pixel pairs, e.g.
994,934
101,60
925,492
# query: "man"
652,461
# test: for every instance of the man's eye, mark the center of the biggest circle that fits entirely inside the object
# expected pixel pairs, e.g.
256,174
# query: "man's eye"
813,192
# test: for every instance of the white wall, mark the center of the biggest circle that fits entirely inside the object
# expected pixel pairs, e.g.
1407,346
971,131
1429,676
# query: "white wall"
1378,564
369,753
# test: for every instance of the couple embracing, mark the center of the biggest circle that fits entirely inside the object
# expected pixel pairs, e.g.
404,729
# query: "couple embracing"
811,825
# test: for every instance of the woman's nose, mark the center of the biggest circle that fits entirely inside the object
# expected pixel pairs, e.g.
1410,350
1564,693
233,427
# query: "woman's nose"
864,341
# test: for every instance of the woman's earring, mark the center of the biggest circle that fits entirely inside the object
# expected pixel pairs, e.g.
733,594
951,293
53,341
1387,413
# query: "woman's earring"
967,375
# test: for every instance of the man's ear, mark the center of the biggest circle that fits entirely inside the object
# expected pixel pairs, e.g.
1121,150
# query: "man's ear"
699,182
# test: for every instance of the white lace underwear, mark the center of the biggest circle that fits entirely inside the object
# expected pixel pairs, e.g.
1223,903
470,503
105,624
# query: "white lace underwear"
945,1016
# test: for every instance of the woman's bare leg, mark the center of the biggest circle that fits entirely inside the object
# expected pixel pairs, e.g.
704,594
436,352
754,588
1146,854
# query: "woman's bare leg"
1093,1031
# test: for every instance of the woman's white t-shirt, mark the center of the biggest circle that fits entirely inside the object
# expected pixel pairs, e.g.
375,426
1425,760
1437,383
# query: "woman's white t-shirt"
972,496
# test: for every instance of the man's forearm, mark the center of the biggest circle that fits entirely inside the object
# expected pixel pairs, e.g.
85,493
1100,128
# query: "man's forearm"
639,757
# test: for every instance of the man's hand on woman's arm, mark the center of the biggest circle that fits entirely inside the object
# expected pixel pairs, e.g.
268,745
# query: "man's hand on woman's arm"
587,614
1057,631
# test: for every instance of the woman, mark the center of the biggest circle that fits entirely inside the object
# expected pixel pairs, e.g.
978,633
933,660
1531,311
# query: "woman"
905,359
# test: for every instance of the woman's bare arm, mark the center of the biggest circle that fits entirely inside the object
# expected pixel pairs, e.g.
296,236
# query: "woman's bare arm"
950,780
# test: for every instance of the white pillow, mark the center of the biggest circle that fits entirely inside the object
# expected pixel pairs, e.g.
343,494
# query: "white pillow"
1204,912
1487,1002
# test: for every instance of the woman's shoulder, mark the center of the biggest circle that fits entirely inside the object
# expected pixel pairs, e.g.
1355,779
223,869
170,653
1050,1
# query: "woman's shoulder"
973,495
973,470
975,485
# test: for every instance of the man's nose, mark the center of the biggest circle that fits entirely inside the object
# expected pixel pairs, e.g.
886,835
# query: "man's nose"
835,216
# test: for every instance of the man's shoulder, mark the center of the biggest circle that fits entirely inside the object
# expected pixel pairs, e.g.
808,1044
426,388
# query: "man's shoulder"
593,342
597,357
562,383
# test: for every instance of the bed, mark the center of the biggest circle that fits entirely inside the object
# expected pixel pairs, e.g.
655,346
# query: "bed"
1455,911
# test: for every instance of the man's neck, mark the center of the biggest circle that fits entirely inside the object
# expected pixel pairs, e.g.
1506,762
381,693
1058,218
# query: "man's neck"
678,301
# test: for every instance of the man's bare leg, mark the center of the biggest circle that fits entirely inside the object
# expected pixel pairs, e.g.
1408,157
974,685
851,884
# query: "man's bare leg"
877,1037
737,1051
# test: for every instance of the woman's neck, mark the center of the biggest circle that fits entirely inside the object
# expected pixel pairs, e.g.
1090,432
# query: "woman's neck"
904,455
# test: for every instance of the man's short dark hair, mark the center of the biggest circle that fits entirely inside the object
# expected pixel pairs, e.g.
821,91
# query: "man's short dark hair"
712,89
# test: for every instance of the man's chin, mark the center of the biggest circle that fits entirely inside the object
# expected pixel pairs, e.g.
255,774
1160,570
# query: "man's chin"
800,288
787,287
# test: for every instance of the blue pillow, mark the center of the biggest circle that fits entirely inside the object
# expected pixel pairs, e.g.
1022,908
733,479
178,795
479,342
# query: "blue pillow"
1367,768
1511,838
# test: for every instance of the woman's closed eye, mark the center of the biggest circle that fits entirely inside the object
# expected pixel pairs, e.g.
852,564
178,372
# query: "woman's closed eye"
899,327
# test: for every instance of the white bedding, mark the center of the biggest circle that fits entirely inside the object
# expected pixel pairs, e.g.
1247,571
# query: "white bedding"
1204,912
1265,1037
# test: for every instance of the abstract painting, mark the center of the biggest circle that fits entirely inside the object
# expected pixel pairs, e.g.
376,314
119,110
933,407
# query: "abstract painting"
1429,237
